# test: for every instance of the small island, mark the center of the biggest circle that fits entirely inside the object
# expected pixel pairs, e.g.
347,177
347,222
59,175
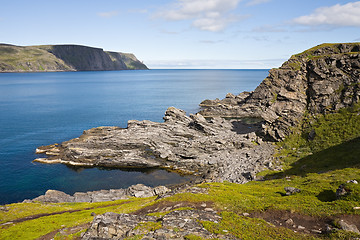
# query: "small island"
59,58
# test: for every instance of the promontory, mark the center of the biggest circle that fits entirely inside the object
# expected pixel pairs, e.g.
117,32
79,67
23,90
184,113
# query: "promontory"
58,58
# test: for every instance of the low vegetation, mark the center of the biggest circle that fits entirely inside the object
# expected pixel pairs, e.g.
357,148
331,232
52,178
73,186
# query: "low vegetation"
317,158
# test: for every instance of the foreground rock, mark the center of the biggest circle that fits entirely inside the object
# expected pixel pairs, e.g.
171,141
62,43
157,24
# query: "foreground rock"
139,191
174,225
320,80
216,149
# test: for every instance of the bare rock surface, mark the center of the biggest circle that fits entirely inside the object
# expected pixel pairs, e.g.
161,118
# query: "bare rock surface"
215,149
174,225
138,190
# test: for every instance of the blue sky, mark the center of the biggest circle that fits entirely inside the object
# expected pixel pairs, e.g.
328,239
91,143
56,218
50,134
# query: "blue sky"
185,33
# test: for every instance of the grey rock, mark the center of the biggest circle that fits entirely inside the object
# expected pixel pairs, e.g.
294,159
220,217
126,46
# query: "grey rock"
291,190
348,227
341,191
139,191
4,209
55,196
174,225
289,221
352,181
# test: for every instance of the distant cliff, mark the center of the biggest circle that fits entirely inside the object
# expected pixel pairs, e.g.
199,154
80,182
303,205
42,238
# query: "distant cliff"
49,58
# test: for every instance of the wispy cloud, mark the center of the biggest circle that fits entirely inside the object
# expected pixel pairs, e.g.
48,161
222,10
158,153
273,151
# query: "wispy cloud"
215,64
211,41
269,28
207,15
256,2
108,14
337,15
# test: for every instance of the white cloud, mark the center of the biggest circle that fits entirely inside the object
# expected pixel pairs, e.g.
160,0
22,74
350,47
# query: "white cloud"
108,14
256,2
207,15
337,15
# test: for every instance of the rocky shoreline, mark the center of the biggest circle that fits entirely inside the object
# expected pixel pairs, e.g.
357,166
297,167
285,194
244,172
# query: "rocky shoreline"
215,149
230,139
138,191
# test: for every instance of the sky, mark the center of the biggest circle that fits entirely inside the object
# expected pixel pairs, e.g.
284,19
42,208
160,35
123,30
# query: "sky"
185,34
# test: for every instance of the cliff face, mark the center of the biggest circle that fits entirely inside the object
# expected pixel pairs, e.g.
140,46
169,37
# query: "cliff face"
63,58
322,79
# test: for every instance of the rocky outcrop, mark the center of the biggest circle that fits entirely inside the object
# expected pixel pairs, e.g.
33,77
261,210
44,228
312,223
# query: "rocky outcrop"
138,190
216,149
64,58
177,224
323,79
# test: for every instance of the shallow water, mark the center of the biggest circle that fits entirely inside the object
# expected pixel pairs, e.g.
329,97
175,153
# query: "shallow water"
44,108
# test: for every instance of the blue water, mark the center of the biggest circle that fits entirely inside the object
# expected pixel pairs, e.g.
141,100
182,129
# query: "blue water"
44,108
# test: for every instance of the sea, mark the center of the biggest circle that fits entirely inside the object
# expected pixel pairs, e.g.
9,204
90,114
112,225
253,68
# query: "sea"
44,108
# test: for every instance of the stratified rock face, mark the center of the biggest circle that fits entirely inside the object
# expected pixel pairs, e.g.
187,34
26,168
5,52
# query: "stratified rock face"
64,58
216,149
84,58
319,80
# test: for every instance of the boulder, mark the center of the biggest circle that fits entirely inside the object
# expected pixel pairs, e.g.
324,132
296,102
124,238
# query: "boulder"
291,190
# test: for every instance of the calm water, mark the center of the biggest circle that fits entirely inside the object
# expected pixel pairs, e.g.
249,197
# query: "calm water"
43,108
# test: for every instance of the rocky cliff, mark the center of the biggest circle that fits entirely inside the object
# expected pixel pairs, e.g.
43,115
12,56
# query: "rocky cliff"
64,58
320,80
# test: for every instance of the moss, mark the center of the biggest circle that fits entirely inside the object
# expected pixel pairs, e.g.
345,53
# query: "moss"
148,226
341,234
38,227
319,134
273,100
250,228
295,65
193,237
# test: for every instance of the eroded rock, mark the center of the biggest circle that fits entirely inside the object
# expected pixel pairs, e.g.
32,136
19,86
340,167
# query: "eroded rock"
139,190
214,149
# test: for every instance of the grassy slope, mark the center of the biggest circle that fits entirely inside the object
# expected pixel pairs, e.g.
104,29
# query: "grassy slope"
131,61
32,58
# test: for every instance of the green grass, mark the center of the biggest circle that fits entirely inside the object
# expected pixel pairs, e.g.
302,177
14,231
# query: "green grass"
36,228
250,228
